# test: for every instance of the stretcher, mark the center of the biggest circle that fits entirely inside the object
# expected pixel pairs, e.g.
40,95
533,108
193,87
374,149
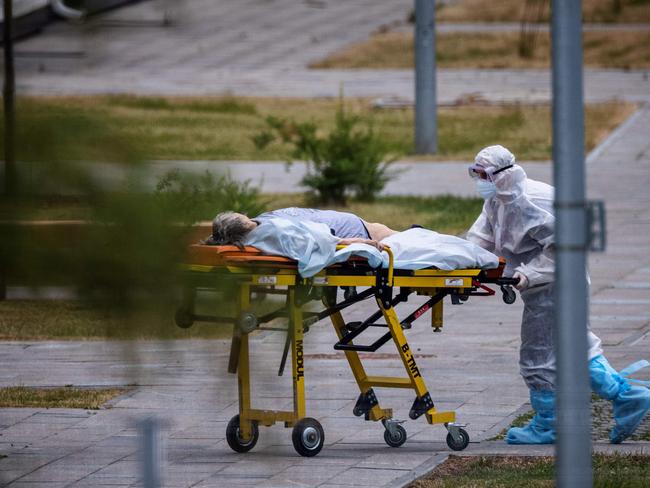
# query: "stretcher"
249,271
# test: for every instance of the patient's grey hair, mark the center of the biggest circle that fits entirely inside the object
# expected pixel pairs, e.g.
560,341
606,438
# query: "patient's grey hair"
228,228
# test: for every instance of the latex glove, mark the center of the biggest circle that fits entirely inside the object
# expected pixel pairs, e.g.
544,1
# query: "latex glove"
523,281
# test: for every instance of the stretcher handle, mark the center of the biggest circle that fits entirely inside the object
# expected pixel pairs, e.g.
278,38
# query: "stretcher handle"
391,261
507,281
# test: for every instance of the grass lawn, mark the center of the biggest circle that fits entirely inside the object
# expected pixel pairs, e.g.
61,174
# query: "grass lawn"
64,397
22,320
101,127
626,50
612,470
513,10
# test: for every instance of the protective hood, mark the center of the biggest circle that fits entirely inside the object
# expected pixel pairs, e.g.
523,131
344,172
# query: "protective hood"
494,157
510,183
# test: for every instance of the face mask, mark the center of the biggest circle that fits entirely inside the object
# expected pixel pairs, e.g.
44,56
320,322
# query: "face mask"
486,189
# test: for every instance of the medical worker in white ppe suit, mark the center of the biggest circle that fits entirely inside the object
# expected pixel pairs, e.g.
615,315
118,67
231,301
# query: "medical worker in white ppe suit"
517,222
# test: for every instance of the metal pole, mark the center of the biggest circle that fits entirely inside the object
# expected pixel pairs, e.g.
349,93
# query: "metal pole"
8,93
426,137
151,452
573,449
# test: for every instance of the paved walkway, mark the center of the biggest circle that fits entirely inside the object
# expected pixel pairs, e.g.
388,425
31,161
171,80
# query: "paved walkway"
412,178
261,48
471,368
454,86
157,38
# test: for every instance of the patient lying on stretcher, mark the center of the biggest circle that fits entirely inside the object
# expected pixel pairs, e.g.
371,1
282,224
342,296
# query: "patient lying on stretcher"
311,237
232,228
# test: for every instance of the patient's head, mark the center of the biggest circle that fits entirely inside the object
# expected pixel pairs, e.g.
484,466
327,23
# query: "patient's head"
230,228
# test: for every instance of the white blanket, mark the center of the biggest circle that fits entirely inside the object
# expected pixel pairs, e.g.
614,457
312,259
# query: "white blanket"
314,248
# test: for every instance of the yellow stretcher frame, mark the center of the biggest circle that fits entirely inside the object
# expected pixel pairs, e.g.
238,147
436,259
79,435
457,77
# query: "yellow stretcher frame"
254,272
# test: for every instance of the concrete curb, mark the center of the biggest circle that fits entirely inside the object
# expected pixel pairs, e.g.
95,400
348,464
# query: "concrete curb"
420,472
505,423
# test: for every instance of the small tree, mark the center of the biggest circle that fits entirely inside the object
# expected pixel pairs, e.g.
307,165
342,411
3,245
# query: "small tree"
349,160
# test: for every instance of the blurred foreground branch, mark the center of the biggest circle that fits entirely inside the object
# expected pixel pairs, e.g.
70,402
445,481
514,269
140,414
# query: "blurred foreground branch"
8,99
124,256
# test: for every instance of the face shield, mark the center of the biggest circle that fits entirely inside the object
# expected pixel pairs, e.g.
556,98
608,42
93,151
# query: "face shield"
478,172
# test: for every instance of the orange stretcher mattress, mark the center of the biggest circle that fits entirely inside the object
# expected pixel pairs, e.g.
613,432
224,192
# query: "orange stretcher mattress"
232,255
200,254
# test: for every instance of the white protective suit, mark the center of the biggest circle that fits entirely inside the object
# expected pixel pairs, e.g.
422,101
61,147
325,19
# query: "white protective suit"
518,224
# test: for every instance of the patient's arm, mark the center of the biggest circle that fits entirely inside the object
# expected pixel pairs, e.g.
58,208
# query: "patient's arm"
351,240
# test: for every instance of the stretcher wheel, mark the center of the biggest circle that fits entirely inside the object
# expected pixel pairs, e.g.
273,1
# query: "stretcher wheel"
396,439
509,295
358,411
308,437
234,439
247,322
183,318
458,445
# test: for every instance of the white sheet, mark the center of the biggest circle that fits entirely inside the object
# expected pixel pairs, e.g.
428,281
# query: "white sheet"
422,248
314,248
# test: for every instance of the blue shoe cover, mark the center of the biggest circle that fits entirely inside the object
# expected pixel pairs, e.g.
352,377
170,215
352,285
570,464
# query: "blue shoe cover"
541,429
630,403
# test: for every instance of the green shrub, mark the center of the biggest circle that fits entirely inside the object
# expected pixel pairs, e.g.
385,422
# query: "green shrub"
348,161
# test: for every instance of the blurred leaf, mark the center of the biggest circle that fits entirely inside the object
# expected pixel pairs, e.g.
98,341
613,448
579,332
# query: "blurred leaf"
125,257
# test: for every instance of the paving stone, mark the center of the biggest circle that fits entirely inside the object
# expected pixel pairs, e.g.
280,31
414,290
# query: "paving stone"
366,476
38,484
56,472
91,483
304,475
326,458
10,416
222,481
258,467
9,475
96,479
389,460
